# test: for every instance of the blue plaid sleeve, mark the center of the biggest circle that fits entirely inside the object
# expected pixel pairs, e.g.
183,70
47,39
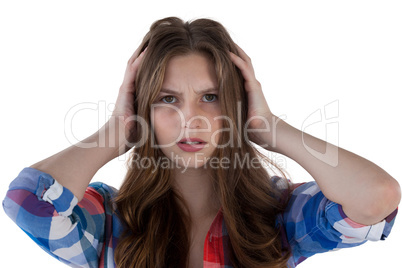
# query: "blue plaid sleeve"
50,215
314,224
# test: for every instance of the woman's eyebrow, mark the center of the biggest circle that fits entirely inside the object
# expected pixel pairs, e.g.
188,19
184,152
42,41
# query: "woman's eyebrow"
170,91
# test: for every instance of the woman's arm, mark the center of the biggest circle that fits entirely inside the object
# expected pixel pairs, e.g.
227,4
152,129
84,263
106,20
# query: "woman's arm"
366,192
75,166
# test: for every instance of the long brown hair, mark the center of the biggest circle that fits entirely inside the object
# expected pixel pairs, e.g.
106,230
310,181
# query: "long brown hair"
155,223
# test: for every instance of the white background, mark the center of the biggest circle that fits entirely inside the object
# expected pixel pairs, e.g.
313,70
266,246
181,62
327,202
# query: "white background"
307,54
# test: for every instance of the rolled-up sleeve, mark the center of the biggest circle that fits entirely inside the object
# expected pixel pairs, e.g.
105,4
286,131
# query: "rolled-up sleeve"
314,224
50,214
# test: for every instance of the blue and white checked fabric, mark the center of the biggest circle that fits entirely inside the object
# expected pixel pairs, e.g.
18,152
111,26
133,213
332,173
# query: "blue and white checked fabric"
85,234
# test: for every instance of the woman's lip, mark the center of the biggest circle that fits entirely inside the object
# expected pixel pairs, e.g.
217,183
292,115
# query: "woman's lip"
191,147
191,140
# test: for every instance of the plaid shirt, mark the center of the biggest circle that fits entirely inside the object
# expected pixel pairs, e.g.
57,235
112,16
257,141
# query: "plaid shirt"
86,234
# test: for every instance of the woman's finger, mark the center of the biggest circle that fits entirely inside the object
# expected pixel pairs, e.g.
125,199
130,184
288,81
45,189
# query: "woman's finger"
132,68
243,54
134,56
245,68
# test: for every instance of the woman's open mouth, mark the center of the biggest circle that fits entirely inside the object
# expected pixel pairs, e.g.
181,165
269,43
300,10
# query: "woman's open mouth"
191,144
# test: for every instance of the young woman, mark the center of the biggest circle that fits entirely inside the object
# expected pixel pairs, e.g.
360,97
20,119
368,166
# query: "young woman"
197,192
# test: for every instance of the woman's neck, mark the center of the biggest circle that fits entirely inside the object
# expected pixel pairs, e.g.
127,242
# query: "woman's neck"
196,188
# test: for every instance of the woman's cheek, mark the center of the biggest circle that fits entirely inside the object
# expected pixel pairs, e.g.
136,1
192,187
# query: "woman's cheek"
165,117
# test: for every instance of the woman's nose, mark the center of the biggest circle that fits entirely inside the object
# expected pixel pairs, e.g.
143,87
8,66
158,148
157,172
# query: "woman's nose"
192,116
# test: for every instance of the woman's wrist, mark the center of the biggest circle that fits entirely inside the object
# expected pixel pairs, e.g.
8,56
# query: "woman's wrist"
113,137
265,133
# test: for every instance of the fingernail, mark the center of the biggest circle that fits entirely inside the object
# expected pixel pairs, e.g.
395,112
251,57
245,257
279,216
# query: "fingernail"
142,53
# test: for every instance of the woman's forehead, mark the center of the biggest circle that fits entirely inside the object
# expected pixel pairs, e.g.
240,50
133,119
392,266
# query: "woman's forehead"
194,69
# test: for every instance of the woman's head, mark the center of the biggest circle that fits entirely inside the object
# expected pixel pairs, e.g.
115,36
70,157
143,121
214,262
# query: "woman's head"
171,39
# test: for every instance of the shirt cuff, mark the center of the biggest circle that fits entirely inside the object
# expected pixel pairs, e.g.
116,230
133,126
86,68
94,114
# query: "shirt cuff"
353,232
46,188
62,199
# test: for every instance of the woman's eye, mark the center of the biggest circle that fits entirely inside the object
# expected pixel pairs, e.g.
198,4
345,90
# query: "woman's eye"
210,97
168,99
206,98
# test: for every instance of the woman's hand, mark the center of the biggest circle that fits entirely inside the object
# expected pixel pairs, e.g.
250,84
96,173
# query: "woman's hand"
259,116
123,112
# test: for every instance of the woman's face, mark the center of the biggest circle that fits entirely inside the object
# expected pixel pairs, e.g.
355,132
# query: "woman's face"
187,111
